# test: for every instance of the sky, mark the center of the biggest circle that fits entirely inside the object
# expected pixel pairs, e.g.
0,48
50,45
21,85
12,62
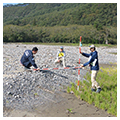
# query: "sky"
9,3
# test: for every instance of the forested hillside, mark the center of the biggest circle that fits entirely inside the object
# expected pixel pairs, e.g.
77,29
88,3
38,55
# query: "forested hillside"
60,22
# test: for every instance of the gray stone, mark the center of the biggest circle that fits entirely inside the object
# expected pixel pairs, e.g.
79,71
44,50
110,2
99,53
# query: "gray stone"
24,89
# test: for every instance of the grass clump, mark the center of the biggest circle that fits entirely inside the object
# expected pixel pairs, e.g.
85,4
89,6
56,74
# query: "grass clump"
107,98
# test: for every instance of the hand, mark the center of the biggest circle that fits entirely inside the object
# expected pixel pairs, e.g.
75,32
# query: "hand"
81,66
38,68
80,52
58,60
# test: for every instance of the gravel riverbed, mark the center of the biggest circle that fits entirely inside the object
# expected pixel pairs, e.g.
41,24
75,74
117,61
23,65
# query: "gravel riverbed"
25,90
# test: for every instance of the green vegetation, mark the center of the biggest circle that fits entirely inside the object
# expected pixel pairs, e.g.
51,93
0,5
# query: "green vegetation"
35,94
61,34
107,98
60,22
70,110
63,44
113,53
62,14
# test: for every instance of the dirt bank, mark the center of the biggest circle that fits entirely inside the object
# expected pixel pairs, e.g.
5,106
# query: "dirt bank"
60,109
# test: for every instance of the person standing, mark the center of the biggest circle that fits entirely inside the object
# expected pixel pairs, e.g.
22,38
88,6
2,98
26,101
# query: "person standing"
27,59
94,66
61,56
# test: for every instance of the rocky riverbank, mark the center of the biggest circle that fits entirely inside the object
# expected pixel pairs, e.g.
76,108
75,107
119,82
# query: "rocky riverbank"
24,90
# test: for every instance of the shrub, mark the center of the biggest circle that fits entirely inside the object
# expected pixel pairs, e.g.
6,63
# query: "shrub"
68,89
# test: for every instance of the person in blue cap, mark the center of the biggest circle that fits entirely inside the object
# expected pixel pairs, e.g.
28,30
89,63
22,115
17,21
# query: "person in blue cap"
27,59
61,56
94,66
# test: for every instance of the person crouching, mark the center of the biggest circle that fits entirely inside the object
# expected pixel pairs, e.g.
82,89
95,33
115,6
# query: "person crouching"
61,57
27,59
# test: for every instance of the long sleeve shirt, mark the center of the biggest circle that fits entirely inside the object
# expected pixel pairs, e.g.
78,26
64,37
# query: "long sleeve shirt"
93,60
28,58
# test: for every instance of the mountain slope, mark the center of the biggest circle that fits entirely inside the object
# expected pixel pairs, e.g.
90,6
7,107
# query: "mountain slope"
51,14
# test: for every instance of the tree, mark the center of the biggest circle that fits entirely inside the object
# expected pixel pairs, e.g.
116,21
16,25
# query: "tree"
34,22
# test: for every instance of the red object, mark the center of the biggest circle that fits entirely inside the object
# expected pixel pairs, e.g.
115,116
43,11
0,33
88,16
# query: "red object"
79,49
80,38
66,68
79,60
55,68
45,68
77,67
79,63
34,69
78,82
78,71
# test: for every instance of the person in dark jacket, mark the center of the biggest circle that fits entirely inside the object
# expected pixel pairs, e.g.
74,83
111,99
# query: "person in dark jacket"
94,66
27,60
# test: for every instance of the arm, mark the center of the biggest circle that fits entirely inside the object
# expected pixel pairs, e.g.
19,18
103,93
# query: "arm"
90,61
85,54
32,61
64,54
57,54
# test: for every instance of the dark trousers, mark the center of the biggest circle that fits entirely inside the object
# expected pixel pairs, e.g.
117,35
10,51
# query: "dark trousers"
26,65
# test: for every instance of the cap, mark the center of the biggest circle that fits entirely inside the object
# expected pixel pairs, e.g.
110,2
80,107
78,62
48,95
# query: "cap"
92,46
61,47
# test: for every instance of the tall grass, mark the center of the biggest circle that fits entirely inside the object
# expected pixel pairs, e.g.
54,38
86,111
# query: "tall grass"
107,98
